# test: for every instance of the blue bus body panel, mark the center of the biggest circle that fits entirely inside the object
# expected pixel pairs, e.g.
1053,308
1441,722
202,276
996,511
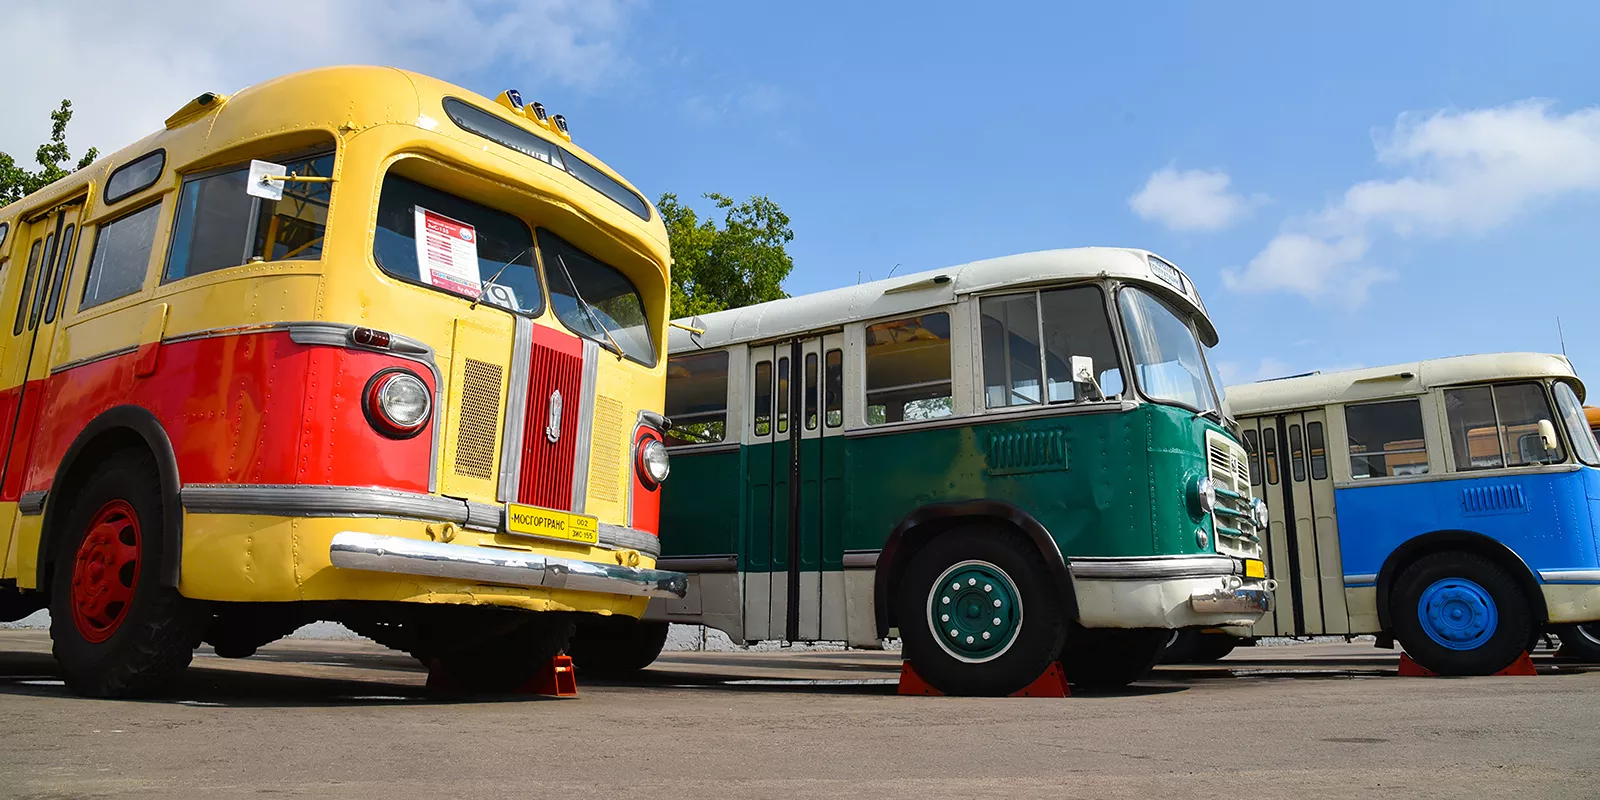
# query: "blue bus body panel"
1546,518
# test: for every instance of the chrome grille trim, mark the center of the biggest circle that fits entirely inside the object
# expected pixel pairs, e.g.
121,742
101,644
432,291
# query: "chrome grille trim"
516,411
586,389
1229,467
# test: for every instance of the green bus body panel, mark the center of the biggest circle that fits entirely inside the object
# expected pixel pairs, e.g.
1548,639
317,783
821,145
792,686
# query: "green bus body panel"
703,525
1103,484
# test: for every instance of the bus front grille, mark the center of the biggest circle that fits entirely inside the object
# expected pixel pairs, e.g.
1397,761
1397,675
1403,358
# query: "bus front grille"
1234,522
550,432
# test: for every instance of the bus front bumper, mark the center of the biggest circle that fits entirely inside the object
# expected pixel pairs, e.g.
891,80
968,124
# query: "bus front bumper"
1168,592
398,555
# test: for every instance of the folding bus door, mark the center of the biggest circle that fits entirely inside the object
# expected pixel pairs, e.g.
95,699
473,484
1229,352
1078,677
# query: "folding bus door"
817,569
760,563
1315,532
1302,545
44,253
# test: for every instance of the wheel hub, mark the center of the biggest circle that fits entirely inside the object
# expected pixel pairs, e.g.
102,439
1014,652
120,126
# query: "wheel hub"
975,611
105,571
1457,613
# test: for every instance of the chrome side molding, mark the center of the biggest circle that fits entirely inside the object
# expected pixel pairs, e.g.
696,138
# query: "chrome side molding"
401,556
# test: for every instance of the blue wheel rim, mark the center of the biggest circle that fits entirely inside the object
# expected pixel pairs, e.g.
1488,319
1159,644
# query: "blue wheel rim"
1457,614
975,611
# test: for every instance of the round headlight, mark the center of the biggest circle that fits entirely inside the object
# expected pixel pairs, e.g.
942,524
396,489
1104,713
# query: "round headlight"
1259,514
653,465
398,403
1205,494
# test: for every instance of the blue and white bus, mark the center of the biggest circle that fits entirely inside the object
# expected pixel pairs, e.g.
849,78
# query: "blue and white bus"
1451,504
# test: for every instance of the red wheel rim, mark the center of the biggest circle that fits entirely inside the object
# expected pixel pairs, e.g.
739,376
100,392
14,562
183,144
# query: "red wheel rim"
106,571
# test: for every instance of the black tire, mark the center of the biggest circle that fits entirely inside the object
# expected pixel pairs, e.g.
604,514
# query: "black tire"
1210,647
1500,639
1100,659
1579,642
130,647
1035,628
16,605
505,661
1180,650
616,647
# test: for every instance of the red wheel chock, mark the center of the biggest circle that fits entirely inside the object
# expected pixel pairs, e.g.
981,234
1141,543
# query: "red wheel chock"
1410,669
555,679
1050,683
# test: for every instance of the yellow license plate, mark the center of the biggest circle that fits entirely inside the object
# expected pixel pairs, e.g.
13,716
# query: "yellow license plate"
551,524
1254,568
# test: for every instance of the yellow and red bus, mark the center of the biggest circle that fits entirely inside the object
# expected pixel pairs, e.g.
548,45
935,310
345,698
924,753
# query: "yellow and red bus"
353,344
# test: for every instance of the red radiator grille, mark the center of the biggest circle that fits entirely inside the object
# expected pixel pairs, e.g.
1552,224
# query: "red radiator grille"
547,466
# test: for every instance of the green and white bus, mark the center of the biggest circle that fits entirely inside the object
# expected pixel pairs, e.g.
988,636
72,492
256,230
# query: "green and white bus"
1004,463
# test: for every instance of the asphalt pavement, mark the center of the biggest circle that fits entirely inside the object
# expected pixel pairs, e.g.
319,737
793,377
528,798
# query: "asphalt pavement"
349,719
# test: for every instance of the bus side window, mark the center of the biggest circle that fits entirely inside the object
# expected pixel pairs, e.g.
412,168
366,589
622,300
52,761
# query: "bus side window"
833,392
219,226
1492,427
1316,441
697,398
121,257
811,391
908,369
1386,439
783,395
1297,454
27,287
1252,446
763,397
1269,446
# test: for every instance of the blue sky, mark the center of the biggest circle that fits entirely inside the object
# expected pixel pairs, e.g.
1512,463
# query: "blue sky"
1358,184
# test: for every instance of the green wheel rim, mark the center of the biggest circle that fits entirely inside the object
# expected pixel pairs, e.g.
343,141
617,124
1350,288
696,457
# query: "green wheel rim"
975,611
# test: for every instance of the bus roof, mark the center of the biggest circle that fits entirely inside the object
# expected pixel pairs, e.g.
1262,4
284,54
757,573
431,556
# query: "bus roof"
347,98
1376,383
921,290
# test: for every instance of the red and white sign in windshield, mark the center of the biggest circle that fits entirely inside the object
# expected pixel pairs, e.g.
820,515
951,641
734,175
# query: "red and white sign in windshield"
447,253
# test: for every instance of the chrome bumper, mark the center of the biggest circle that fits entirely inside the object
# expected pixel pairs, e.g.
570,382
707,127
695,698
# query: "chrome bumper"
1234,600
374,553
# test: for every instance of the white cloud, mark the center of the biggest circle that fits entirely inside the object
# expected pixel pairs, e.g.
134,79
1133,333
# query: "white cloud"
1462,173
147,59
1190,200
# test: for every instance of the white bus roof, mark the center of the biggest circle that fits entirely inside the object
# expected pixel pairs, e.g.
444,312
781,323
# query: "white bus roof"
1376,383
913,292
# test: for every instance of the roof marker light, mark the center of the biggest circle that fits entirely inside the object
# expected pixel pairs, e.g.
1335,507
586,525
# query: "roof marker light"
538,114
510,98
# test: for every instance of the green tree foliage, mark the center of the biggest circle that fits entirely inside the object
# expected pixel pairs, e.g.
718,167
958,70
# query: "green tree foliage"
741,263
17,182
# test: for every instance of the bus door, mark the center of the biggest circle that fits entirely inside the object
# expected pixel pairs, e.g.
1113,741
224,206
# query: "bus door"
1302,546
794,465
30,307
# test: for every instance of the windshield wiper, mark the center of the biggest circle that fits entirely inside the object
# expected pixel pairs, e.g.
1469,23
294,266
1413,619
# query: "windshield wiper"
1211,414
588,309
483,291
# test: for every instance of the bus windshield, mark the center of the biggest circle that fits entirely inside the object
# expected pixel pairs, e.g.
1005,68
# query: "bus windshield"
596,301
1166,353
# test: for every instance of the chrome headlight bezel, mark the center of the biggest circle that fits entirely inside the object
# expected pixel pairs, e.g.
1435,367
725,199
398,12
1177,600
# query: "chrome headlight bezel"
1259,513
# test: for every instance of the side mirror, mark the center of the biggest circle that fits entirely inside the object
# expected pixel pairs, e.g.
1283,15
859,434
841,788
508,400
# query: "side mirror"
1547,436
1082,369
